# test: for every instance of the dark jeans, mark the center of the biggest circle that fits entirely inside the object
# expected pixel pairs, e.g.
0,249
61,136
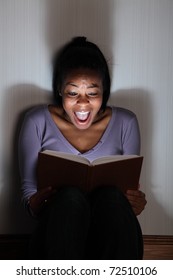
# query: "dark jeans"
99,225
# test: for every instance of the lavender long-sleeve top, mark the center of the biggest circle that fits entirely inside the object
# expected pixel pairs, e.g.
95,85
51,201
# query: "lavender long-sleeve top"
39,132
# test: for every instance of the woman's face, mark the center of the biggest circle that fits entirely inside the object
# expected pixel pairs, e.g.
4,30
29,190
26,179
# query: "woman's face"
82,94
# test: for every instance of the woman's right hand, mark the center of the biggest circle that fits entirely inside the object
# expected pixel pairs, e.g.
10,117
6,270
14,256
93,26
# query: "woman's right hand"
38,200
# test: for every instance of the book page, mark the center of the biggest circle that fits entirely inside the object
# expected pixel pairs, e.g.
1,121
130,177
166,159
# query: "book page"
112,158
71,157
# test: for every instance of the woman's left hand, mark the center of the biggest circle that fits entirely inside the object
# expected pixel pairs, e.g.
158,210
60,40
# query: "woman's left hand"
137,200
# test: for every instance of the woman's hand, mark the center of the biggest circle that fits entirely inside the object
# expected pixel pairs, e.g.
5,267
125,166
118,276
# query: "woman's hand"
38,200
137,200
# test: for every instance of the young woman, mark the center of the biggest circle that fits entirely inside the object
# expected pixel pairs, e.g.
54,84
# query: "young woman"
71,224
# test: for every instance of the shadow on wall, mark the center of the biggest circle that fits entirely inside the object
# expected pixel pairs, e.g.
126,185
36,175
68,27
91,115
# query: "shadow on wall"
22,96
138,100
65,19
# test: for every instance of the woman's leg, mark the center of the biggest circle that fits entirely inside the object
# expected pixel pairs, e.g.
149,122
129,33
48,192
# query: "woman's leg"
115,232
67,225
64,228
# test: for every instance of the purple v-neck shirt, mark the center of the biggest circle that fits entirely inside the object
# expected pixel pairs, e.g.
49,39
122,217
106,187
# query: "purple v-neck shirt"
39,132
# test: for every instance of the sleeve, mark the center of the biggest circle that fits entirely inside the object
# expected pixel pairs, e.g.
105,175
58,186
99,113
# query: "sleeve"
29,145
131,140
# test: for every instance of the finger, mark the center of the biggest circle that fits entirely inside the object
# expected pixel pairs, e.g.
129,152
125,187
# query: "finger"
45,190
137,208
137,203
49,193
42,195
137,193
136,198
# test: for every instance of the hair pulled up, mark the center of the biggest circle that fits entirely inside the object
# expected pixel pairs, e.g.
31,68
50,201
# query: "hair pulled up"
79,53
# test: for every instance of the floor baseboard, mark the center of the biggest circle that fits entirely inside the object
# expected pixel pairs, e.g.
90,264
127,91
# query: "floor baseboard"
156,247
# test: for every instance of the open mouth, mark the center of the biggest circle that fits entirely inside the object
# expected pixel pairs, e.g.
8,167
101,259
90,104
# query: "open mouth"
82,116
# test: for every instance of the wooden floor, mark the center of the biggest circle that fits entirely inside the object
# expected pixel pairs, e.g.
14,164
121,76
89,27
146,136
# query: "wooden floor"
158,247
14,247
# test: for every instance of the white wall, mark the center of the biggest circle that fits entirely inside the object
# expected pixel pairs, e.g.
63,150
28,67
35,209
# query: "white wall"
137,38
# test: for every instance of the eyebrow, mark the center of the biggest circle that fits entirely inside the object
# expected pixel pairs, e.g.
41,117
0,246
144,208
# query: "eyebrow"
93,85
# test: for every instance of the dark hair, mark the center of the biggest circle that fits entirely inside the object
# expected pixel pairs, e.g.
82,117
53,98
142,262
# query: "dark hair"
79,53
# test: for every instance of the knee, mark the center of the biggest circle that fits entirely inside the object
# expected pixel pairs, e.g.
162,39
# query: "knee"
109,198
108,193
70,193
68,196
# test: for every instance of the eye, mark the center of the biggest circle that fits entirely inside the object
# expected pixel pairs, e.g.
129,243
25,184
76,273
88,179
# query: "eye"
92,94
72,93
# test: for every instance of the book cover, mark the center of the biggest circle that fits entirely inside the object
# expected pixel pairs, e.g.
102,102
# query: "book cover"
58,169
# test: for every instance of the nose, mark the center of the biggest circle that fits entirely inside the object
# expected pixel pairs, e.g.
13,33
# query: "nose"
83,99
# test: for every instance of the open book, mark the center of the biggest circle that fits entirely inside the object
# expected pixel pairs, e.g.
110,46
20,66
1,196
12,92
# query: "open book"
59,169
